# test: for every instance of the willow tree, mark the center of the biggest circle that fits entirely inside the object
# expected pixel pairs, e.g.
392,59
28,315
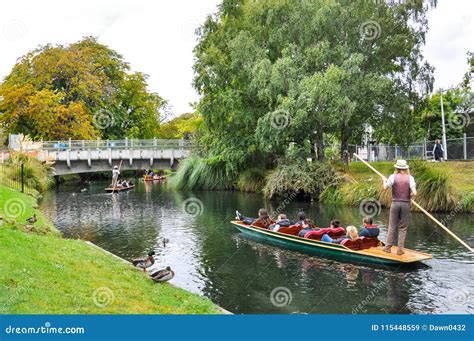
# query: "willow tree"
272,72
80,91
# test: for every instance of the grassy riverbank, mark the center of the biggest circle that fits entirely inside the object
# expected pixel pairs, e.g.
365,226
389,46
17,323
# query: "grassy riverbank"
41,272
441,186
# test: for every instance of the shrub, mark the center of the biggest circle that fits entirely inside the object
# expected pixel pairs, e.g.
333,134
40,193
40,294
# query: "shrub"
251,180
301,177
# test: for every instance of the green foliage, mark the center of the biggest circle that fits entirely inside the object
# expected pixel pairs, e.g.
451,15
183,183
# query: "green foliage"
37,175
199,173
80,91
183,126
251,180
304,178
304,67
434,192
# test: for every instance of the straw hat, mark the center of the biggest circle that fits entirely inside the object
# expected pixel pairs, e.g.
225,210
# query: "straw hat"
401,164
115,167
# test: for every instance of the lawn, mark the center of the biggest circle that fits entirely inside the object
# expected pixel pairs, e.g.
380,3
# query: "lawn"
42,273
461,174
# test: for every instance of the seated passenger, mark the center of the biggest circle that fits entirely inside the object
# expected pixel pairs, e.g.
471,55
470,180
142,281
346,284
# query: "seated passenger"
351,234
335,223
307,224
282,221
263,219
369,229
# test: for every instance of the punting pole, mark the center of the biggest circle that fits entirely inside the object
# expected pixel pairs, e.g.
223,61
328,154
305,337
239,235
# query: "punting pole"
421,208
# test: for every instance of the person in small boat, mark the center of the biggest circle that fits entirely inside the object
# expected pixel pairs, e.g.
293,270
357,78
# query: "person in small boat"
403,189
306,223
263,219
335,223
369,229
282,221
115,175
351,234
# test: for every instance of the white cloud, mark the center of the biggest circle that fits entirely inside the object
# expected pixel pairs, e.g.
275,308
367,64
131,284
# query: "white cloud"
157,36
450,36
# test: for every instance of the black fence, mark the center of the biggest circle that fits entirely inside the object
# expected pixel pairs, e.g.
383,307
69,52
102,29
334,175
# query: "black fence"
17,177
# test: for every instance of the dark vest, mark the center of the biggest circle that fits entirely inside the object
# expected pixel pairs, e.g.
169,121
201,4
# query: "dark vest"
401,188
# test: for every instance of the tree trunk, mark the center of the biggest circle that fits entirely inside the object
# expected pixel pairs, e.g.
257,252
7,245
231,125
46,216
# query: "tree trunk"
344,145
320,144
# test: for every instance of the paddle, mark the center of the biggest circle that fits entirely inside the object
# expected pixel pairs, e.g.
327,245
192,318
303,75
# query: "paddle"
420,208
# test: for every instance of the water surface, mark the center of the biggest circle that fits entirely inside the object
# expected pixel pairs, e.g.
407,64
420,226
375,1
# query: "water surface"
212,258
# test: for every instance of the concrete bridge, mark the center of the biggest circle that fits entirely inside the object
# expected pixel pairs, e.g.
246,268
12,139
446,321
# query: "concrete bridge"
86,156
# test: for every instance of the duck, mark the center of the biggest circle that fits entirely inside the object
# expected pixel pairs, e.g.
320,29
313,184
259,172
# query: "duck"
32,220
145,263
163,275
83,190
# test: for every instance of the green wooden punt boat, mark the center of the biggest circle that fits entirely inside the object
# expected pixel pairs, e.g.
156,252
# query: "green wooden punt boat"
372,255
119,189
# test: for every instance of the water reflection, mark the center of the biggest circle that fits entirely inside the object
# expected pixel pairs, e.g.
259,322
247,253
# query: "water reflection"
239,273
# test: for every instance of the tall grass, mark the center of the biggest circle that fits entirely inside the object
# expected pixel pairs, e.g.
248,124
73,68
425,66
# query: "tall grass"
251,180
37,175
434,191
197,173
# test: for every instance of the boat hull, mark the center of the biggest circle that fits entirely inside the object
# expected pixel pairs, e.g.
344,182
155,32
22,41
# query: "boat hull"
119,189
373,255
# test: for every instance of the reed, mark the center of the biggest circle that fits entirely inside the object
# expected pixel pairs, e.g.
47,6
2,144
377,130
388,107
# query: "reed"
198,173
251,180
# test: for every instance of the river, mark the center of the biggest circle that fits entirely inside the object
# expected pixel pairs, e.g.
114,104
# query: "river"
212,258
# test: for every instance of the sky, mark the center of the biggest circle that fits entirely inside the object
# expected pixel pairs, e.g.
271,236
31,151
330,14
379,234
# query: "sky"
157,37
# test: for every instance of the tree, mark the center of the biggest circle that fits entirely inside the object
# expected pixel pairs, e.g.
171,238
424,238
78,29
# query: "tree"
81,91
272,72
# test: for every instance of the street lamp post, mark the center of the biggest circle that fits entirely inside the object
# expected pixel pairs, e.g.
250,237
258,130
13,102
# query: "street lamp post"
445,153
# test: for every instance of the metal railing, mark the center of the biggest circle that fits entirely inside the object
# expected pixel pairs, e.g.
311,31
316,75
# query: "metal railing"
115,144
458,149
16,176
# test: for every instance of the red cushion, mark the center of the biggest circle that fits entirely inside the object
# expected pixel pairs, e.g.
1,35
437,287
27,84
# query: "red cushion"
259,223
293,229
315,234
353,244
367,242
336,232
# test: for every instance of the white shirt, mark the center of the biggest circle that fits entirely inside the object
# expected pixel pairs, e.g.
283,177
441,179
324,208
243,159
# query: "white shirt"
391,180
115,173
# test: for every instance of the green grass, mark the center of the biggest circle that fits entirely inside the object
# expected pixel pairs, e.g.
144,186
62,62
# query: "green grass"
42,273
51,275
441,186
16,208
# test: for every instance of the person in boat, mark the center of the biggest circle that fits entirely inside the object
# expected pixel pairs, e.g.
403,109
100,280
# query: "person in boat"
306,223
335,223
282,221
263,219
369,229
403,188
351,234
115,175
438,151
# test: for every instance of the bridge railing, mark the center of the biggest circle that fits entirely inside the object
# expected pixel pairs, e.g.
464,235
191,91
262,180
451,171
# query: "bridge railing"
115,144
